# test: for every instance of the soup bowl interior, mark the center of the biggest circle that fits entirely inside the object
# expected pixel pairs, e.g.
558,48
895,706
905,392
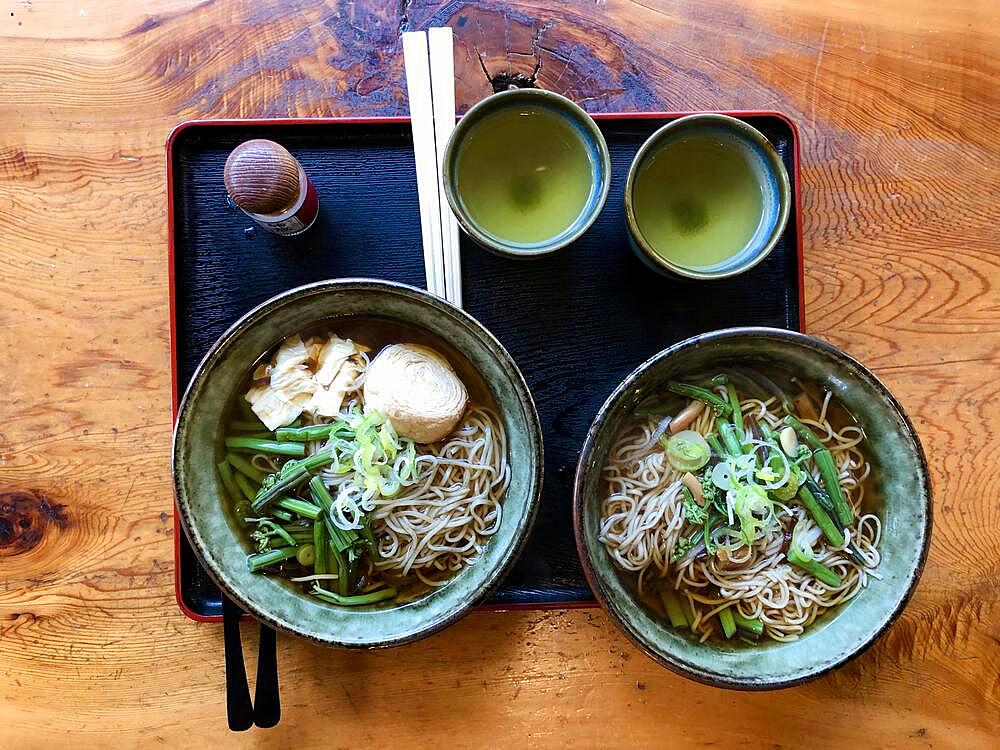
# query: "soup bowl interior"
222,546
899,484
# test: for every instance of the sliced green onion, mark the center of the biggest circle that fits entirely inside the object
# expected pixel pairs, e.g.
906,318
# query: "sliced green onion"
687,450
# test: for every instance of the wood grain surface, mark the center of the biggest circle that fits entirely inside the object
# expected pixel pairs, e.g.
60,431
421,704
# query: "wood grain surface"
898,104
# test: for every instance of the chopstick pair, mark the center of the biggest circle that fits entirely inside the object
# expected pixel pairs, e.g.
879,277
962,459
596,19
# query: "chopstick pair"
430,85
265,710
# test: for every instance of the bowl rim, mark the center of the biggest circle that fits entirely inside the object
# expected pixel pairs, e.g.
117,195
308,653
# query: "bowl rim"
499,99
741,129
493,577
687,669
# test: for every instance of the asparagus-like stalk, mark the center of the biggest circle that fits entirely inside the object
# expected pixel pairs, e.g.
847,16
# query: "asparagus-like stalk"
256,562
814,568
751,626
352,601
715,445
229,482
734,402
246,490
727,622
730,440
672,606
720,407
245,468
826,525
308,433
299,507
256,445
827,470
319,543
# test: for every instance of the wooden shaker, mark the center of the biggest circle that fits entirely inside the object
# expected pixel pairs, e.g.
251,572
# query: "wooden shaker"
270,186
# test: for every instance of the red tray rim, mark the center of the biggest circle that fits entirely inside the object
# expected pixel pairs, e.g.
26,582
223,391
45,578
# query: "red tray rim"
279,121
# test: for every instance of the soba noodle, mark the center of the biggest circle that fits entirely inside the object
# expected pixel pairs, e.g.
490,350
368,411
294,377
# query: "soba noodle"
643,520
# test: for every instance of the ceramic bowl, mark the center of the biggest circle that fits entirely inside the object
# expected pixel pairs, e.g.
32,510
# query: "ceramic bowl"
900,476
763,161
222,547
600,169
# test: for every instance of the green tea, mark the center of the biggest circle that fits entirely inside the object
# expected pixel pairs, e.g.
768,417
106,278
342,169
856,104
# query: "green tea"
697,201
523,174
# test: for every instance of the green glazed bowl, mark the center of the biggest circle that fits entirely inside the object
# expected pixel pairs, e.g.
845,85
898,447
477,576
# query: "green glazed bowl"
763,160
597,152
899,471
222,547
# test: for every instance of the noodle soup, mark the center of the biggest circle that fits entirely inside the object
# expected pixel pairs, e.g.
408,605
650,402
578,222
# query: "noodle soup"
737,505
365,460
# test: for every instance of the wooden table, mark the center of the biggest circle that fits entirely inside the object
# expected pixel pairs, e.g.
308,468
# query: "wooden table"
898,107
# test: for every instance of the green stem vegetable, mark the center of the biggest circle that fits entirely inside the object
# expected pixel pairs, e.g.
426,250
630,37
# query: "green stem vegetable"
299,507
672,606
319,545
827,470
245,468
734,402
720,407
257,445
730,440
229,482
826,525
727,622
306,555
256,562
308,433
715,445
246,490
814,568
751,626
352,601
291,475
821,497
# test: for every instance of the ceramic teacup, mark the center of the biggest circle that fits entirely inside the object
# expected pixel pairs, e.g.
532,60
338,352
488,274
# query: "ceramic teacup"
753,154
528,100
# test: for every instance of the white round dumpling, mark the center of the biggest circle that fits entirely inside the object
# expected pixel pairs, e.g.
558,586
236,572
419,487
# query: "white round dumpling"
416,388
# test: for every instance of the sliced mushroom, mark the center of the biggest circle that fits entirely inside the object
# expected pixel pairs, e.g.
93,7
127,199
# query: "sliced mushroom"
686,416
417,389
690,481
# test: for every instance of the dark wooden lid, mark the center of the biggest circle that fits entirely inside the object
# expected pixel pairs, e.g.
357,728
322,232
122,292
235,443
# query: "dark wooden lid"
262,177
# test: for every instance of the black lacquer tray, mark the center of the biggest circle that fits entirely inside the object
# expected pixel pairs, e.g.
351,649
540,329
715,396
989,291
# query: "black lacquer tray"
576,322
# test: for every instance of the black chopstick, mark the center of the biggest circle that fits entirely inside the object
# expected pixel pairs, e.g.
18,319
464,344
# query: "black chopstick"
239,709
267,701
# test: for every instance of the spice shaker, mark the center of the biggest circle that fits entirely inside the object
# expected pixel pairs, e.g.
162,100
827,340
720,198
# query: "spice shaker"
271,187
